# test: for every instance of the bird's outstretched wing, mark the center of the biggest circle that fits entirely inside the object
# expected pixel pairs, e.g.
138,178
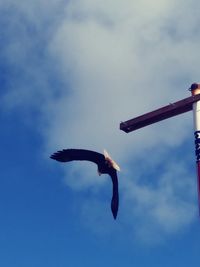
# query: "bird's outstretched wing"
66,155
115,195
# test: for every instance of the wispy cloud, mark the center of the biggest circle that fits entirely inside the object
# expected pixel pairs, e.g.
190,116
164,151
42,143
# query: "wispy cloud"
87,65
166,203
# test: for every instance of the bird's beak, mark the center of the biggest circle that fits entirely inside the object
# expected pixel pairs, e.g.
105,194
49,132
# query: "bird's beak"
112,162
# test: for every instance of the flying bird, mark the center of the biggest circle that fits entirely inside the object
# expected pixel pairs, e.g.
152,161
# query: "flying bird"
105,165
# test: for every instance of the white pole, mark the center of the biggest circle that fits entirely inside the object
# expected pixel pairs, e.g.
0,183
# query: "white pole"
195,89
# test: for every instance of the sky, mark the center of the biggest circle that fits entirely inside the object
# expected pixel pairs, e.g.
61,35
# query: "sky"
70,72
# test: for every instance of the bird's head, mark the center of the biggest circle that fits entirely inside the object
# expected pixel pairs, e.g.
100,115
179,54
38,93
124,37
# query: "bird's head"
111,163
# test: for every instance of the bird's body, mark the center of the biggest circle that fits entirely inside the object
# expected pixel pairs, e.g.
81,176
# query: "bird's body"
105,166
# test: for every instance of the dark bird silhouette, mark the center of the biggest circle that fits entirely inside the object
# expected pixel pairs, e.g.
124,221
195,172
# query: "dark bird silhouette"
105,164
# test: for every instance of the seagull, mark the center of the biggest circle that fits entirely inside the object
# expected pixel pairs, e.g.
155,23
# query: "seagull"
105,165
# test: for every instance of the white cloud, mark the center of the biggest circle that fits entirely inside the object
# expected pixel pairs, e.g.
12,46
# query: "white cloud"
118,59
167,206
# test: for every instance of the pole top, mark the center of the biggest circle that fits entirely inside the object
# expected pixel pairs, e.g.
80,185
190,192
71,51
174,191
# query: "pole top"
195,88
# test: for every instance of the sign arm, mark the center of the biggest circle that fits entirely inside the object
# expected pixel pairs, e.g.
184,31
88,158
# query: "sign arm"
160,114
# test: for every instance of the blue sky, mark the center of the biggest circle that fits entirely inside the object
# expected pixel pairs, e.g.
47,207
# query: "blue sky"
70,72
